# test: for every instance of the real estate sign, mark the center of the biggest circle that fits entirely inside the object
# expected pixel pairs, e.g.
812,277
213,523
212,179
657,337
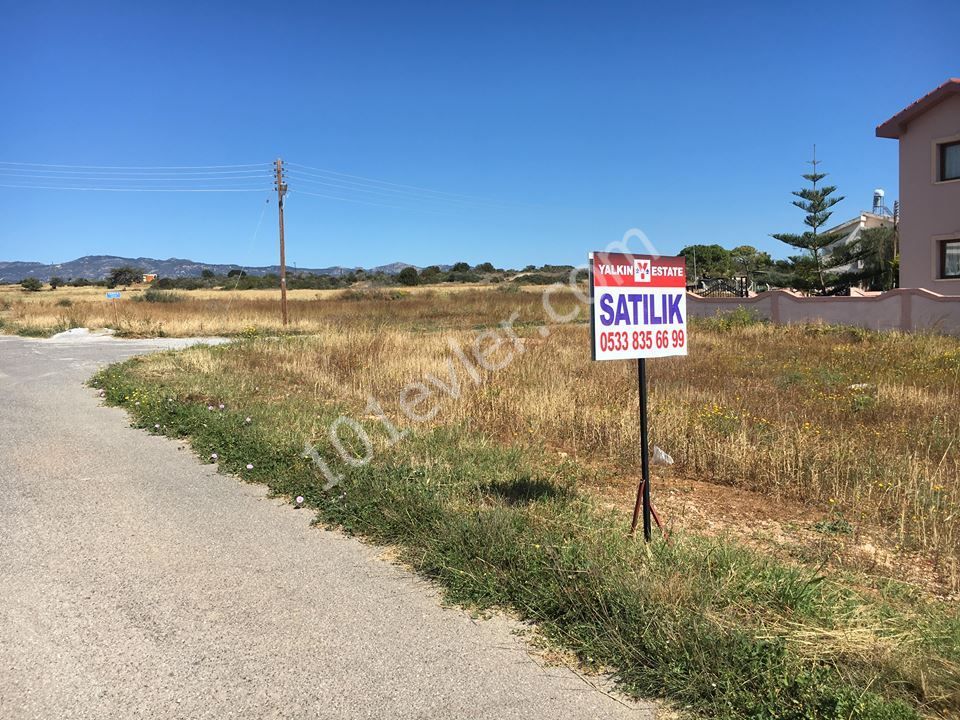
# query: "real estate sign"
639,306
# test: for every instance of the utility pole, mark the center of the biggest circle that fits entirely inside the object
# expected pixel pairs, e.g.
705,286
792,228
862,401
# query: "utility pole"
281,191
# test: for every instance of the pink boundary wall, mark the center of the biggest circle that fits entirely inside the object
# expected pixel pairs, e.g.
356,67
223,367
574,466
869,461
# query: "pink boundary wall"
905,309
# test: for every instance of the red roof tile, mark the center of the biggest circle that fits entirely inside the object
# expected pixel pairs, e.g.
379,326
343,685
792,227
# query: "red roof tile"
895,126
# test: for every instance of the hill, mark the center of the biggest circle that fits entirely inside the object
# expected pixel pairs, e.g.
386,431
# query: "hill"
97,267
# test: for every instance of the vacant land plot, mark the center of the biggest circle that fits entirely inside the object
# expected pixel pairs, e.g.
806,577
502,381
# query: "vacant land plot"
847,441
142,312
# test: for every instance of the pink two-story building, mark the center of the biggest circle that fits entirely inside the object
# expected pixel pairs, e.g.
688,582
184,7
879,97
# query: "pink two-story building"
929,135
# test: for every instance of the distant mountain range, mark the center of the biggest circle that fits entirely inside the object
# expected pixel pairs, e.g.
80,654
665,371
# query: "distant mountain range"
97,267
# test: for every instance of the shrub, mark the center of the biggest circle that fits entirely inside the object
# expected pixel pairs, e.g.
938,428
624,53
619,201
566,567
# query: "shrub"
31,284
155,295
125,275
741,317
408,276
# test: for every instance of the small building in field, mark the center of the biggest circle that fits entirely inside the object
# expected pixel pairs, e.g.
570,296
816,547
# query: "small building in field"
929,135
149,277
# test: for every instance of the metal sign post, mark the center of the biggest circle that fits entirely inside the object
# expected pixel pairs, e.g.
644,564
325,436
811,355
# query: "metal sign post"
638,309
116,310
643,490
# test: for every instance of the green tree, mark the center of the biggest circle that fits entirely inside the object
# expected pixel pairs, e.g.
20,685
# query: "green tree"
55,282
237,273
460,267
749,262
430,274
207,274
816,202
125,275
707,260
31,284
873,259
485,267
408,276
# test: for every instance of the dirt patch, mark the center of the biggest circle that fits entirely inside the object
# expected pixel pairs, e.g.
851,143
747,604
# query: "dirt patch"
790,530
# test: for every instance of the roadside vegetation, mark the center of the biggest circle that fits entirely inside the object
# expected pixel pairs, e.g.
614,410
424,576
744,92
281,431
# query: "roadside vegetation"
513,493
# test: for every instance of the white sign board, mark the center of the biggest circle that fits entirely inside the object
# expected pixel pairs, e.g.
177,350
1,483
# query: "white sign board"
639,306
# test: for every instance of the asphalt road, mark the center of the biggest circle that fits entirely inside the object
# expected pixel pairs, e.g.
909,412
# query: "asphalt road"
136,582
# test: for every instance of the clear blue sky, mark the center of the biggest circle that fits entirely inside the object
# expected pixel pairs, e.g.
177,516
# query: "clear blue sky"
573,121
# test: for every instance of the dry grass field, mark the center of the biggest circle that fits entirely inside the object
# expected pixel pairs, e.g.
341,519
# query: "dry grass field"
861,428
202,313
832,455
853,432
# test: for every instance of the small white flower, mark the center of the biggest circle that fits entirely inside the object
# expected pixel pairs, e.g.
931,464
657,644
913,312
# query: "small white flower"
299,499
214,456
209,407
156,427
249,466
222,406
248,420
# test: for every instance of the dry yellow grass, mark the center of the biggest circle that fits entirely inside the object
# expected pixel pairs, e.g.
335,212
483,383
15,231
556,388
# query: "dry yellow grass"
861,423
227,312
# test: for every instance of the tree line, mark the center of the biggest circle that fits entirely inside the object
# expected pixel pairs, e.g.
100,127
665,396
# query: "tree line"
824,264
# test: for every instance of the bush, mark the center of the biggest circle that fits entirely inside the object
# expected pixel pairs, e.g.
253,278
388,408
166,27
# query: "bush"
741,317
31,284
408,276
359,294
156,295
64,302
125,275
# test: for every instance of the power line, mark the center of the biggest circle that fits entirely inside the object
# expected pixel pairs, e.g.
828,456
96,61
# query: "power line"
130,189
297,191
139,174
139,167
385,192
121,178
322,172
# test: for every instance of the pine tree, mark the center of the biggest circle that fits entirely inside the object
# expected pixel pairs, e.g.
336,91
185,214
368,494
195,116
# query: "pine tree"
816,202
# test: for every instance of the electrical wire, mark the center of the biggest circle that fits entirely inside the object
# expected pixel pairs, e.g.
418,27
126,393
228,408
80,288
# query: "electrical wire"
111,174
138,167
129,189
119,179
320,183
373,182
250,245
297,191
394,193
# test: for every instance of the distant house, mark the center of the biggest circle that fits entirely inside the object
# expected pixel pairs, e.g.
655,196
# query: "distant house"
149,277
850,230
929,135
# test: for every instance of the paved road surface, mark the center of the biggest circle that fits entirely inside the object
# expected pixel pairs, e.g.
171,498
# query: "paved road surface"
137,583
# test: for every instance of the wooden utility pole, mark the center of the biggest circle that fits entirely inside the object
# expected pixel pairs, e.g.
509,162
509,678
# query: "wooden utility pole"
281,191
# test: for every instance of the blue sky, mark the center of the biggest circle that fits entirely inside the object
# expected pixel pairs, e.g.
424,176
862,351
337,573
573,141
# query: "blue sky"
566,124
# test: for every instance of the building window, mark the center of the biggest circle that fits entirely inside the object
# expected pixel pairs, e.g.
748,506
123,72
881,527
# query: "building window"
949,161
950,259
